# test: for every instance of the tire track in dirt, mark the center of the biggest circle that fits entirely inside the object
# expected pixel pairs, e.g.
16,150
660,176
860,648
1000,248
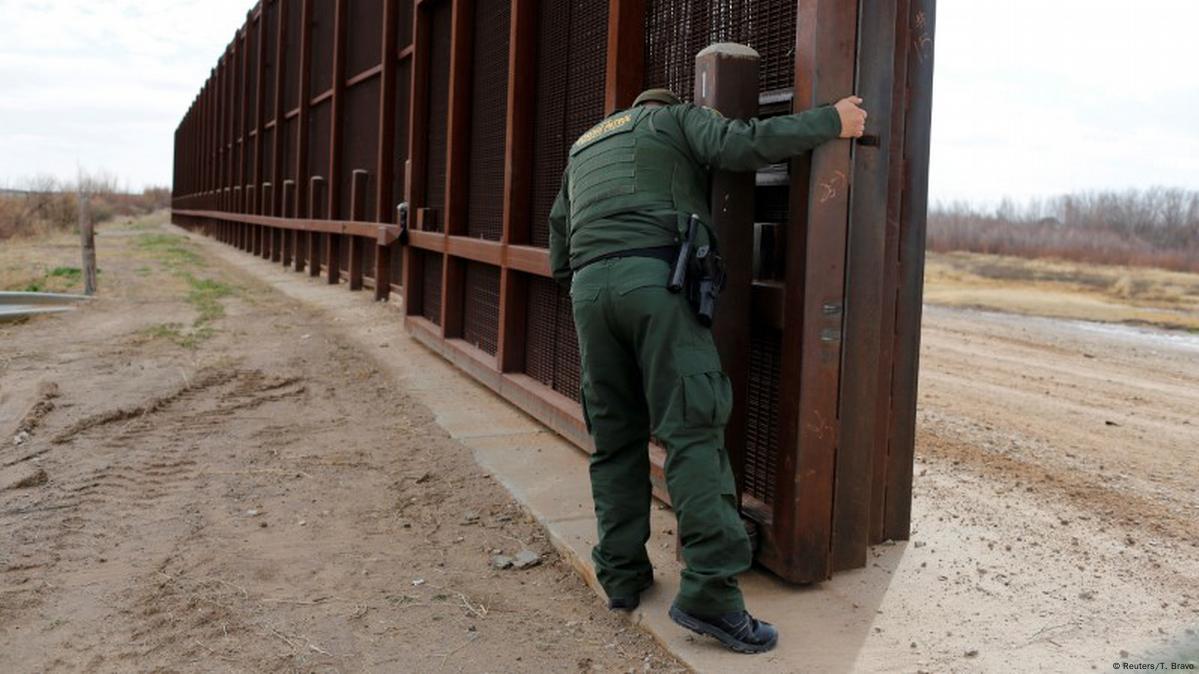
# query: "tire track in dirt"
126,459
202,381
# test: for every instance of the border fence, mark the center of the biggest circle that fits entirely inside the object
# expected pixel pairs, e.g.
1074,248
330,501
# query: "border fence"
322,116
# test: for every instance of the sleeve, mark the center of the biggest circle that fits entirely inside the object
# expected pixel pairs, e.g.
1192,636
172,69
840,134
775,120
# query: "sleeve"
748,145
560,234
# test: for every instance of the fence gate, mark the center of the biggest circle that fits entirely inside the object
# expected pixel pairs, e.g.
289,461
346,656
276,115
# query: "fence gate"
322,116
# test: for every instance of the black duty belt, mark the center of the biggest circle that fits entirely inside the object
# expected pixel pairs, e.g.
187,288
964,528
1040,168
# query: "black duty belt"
665,253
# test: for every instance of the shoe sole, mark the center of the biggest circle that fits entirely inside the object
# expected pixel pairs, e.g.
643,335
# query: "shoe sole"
731,642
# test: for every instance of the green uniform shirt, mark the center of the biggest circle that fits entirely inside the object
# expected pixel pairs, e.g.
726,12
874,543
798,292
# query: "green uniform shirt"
630,176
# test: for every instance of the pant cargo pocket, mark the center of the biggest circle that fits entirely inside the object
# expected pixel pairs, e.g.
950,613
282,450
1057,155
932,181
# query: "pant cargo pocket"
708,399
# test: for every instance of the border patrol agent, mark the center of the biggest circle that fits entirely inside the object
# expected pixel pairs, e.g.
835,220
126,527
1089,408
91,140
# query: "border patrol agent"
650,368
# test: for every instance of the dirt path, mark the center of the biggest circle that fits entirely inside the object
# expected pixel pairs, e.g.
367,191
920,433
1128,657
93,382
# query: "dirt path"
1105,416
209,479
1059,459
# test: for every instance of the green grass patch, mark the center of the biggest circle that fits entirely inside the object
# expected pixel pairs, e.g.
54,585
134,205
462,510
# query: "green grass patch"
174,251
178,256
179,334
57,280
72,274
205,295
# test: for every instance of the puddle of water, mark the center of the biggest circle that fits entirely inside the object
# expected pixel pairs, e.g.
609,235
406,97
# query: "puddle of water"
1181,340
1137,335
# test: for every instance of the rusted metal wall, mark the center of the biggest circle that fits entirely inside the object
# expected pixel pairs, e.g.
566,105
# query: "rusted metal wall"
323,115
302,131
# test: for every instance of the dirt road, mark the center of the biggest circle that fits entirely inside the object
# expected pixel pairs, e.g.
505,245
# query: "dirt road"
1106,416
210,477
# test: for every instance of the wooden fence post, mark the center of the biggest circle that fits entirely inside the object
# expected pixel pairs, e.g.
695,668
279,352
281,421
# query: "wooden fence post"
87,235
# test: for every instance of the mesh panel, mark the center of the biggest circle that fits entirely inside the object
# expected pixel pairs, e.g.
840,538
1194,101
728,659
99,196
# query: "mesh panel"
481,306
489,112
291,133
676,30
400,156
552,351
439,100
270,19
539,330
318,250
365,36
360,145
566,348
397,267
265,166
762,418
251,92
431,287
402,93
368,258
404,20
769,251
235,91
221,125
320,77
571,66
320,125
291,59
770,203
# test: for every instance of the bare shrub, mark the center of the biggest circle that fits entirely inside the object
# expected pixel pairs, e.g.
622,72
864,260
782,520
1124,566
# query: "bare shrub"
1158,227
45,204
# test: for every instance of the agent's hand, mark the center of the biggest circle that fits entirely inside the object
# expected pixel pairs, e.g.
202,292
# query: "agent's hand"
853,118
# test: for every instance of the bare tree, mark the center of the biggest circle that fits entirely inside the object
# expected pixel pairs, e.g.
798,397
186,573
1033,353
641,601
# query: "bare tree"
1153,227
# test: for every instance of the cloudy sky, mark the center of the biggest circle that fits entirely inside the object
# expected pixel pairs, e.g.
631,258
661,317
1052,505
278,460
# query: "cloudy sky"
1032,97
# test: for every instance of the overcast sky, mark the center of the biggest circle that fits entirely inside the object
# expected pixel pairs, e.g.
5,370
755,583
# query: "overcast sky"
1032,97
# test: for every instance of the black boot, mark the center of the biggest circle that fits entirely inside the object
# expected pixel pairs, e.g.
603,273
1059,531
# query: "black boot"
738,630
629,602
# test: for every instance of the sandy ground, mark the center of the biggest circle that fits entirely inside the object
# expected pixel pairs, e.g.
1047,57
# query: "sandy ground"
239,487
209,478
1056,503
1064,289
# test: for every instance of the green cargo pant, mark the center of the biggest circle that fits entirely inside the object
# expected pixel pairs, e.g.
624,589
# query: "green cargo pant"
650,368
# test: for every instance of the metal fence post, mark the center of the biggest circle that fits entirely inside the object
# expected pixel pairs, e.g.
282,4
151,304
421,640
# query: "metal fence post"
726,80
316,192
288,238
357,214
263,247
247,231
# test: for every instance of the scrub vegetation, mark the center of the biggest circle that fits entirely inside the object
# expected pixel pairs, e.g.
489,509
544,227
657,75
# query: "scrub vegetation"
1157,227
44,204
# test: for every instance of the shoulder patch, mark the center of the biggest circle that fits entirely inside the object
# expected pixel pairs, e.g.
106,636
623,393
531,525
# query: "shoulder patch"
604,128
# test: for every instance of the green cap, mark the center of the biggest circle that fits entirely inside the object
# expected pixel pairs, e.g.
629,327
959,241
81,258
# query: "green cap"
663,96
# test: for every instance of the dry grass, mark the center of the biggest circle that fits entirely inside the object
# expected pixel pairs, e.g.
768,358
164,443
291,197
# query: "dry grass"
25,266
1151,228
1063,289
48,206
50,261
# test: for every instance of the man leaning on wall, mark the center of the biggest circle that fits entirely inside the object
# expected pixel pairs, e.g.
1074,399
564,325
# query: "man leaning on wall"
630,233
